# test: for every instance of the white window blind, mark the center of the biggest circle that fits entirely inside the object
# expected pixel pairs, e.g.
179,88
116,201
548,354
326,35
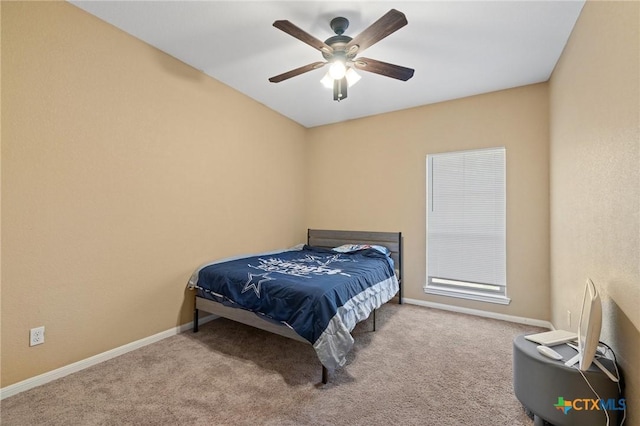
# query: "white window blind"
466,225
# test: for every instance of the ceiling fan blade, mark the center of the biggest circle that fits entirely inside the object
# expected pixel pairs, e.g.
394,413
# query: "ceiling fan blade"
389,23
302,35
297,71
383,68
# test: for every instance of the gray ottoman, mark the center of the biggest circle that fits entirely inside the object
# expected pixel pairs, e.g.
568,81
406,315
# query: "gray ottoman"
541,384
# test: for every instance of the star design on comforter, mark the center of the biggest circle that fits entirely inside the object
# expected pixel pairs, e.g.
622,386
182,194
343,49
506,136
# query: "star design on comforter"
255,281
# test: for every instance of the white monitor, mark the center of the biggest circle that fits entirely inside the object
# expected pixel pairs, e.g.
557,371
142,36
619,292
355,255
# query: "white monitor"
589,326
589,332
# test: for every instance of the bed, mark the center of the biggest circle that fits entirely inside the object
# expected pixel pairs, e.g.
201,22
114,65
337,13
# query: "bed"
314,293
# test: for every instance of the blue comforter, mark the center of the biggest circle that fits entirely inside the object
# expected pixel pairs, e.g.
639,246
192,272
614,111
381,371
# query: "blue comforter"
301,288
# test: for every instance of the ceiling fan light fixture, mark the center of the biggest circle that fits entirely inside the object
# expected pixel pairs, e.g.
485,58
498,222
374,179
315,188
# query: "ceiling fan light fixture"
338,69
352,77
327,81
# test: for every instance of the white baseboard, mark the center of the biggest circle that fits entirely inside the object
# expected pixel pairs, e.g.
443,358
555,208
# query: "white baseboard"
96,359
480,313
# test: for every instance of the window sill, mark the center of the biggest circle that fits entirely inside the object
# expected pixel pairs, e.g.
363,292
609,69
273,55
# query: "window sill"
501,300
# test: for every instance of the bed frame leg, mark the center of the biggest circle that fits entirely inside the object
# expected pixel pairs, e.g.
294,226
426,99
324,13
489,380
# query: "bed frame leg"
374,319
195,320
325,375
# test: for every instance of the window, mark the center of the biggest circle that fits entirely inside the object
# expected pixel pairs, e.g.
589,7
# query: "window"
466,225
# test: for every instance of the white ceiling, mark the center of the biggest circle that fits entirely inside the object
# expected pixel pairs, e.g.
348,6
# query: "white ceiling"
457,48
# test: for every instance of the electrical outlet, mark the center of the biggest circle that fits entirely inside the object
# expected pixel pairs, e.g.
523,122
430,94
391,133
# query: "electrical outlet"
569,318
36,336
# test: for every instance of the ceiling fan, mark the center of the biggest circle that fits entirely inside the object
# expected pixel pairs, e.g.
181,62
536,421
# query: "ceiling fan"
340,51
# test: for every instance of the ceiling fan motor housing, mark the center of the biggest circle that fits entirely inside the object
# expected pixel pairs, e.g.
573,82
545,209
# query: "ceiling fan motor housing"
339,25
338,41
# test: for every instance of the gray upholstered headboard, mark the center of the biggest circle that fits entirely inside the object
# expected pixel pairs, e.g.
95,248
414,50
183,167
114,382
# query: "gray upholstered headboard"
391,240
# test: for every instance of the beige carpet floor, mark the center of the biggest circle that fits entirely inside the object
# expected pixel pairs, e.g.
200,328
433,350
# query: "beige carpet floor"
421,367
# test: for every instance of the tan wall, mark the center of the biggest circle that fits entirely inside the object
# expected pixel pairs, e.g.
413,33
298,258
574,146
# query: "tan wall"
0,201
595,178
122,170
369,174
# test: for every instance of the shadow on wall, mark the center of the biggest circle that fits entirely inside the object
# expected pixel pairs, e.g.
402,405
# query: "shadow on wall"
624,334
620,333
188,305
178,68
